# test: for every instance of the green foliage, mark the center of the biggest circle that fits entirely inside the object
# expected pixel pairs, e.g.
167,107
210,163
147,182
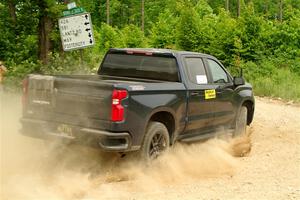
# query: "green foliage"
18,71
219,37
162,32
109,38
132,36
187,35
203,8
269,80
295,66
250,27
283,83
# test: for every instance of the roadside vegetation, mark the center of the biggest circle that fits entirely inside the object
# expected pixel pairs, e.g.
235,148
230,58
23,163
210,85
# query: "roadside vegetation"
262,37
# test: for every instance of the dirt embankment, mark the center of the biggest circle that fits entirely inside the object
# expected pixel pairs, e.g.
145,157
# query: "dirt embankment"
32,170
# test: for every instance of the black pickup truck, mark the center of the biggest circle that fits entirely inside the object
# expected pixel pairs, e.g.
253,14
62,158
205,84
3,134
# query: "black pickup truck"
141,100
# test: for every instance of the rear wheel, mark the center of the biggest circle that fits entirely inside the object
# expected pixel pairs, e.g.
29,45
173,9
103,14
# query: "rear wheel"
241,122
156,141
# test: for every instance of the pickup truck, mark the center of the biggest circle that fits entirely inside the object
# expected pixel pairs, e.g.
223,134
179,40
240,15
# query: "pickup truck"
141,100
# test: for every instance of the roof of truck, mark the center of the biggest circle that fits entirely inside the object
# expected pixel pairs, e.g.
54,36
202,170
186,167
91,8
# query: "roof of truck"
158,51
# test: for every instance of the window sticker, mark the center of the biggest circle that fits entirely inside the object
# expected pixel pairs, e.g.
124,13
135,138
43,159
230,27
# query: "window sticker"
201,79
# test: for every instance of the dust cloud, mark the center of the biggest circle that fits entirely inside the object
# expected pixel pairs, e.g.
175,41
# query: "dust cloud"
34,169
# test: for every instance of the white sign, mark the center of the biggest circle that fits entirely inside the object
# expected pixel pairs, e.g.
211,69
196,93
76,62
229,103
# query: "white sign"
76,31
201,79
71,5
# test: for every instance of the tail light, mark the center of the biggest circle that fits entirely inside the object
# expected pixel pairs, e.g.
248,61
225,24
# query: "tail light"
25,92
117,109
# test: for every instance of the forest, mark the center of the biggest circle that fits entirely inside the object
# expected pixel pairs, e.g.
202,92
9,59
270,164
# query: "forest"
262,37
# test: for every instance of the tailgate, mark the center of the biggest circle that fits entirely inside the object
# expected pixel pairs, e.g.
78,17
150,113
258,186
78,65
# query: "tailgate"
70,100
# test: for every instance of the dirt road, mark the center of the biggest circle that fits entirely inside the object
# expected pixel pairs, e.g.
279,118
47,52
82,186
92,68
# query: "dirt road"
30,170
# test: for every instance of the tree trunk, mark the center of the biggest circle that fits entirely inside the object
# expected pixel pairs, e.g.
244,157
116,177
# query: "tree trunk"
280,10
61,49
45,27
227,5
266,7
143,15
12,11
238,8
107,11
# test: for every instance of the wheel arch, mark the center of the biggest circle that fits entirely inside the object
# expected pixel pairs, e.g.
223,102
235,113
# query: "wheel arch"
166,117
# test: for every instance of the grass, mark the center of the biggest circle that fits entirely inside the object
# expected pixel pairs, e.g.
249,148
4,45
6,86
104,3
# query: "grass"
282,83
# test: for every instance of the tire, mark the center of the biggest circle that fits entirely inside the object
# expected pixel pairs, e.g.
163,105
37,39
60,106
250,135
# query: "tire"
241,122
156,141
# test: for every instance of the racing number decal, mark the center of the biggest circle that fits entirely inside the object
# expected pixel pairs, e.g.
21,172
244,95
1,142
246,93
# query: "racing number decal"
210,94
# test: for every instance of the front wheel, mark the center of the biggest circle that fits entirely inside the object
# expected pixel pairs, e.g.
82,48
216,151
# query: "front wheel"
241,122
156,141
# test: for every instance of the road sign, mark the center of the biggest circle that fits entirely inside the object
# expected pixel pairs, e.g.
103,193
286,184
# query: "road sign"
73,11
76,31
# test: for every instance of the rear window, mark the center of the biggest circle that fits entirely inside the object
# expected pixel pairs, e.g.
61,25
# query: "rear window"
140,66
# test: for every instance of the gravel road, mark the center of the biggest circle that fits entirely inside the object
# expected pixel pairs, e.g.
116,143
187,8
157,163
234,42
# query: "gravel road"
32,170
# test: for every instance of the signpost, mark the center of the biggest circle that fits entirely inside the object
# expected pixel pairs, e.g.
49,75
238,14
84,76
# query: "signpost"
76,31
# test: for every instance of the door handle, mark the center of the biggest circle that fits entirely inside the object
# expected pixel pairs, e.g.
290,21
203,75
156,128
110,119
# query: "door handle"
195,93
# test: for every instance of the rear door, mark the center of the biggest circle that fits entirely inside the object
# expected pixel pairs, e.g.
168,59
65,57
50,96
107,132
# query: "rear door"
199,111
223,105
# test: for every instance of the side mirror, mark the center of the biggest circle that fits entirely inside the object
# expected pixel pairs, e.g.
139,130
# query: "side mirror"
238,81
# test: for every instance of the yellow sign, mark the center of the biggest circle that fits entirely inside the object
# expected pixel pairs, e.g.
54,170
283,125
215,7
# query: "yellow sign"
210,94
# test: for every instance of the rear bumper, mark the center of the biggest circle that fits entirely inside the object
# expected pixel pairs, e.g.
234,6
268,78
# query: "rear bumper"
108,141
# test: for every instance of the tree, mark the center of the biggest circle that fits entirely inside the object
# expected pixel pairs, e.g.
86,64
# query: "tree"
280,10
107,11
162,32
227,5
143,15
12,11
238,8
188,30
48,14
133,37
45,27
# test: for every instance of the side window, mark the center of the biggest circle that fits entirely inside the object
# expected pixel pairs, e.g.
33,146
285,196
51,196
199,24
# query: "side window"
218,73
196,70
